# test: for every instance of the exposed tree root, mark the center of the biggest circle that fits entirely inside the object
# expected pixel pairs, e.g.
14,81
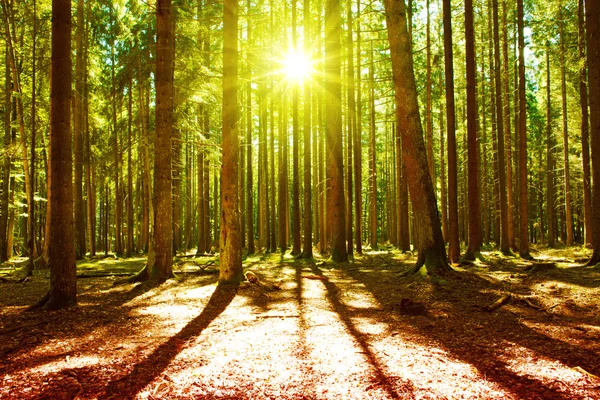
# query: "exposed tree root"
508,298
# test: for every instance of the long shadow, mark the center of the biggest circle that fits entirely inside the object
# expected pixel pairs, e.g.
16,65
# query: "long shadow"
147,370
97,309
343,313
500,373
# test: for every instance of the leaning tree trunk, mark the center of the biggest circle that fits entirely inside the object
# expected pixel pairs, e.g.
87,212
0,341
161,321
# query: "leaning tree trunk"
430,243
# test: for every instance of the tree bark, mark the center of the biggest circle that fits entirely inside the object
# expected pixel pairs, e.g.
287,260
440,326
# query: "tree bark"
430,243
472,138
523,209
163,205
549,158
585,134
63,280
593,53
336,212
230,243
504,239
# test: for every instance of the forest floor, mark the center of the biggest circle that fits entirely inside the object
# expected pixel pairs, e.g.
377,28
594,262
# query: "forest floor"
309,330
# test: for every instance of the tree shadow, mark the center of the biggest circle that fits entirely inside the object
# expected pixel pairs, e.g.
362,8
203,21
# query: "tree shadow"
342,310
454,334
147,370
98,309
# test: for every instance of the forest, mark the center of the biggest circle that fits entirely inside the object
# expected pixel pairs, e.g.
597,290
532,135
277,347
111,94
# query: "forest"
313,199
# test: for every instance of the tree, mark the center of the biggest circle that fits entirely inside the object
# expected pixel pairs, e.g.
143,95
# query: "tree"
78,127
163,214
307,245
523,206
453,238
593,53
472,138
585,146
336,202
430,243
63,280
230,245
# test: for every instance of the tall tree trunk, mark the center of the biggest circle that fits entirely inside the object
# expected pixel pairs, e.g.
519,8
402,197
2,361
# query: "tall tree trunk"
308,231
563,86
585,134
523,210
358,141
549,158
432,252
78,126
372,157
130,248
351,123
230,243
593,53
336,212
30,200
504,242
428,100
163,204
6,166
90,185
453,235
472,138
63,281
510,226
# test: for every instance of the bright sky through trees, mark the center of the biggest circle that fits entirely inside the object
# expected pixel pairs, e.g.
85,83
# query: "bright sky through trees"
297,66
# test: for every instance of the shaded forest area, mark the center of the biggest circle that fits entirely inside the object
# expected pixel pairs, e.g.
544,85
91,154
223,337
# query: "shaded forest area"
300,199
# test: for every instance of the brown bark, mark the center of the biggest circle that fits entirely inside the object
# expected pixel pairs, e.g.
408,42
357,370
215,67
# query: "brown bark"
453,235
585,134
549,158
63,282
472,139
163,205
230,243
372,157
523,209
428,100
334,189
358,143
510,219
78,126
504,242
308,231
6,167
430,243
351,123
565,130
593,54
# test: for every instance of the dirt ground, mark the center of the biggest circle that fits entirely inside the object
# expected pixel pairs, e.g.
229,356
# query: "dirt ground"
310,330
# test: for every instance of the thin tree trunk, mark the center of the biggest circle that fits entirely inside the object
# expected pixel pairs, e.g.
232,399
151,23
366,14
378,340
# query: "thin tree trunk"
510,226
372,157
358,141
549,158
524,212
585,146
504,242
563,86
351,123
453,234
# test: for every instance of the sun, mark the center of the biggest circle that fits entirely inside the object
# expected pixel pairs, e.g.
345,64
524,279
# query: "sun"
297,66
